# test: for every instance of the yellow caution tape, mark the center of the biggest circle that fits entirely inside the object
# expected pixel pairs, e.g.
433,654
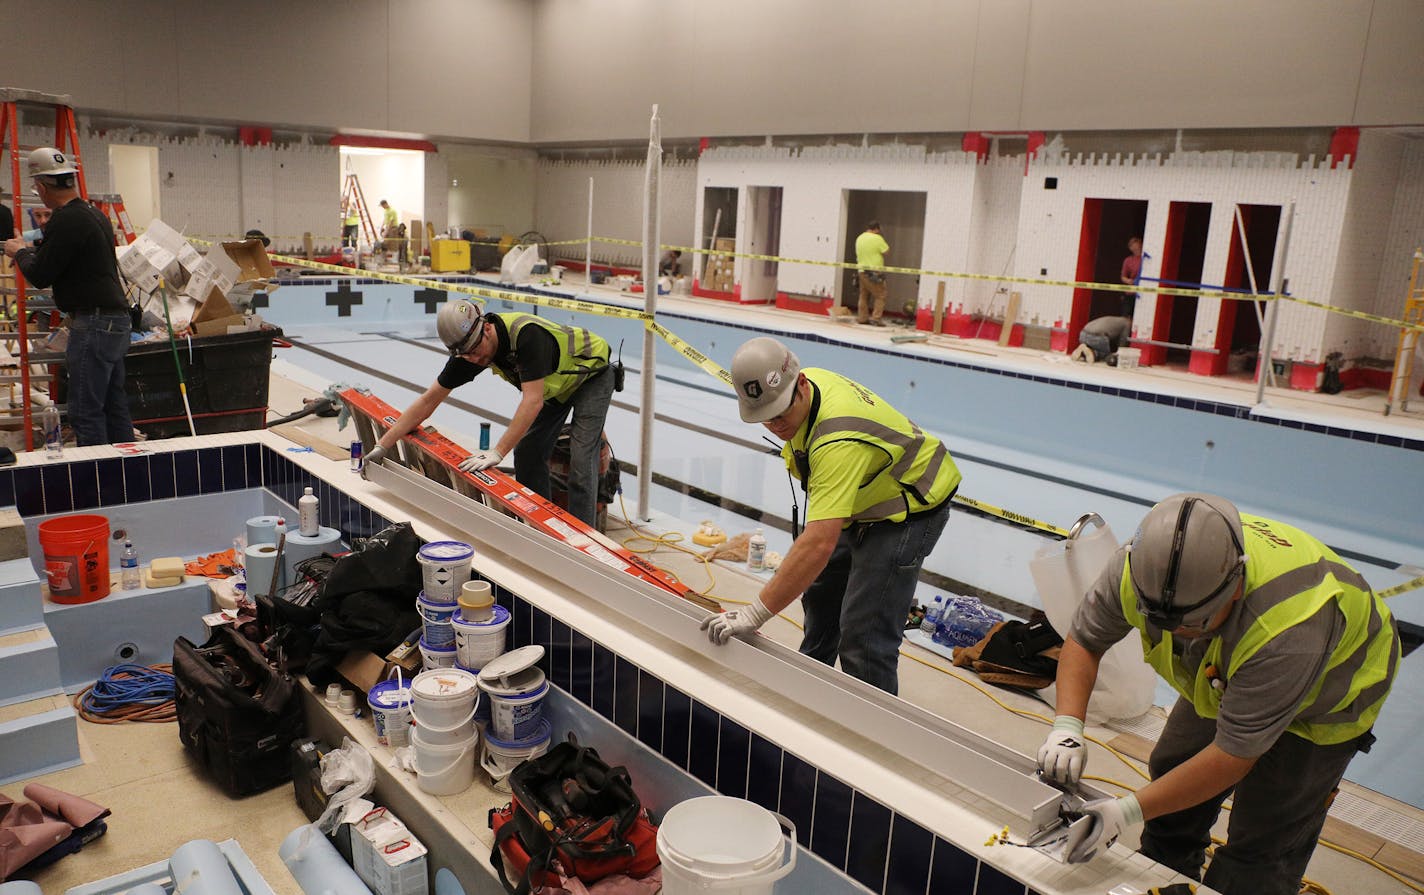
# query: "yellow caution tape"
1011,516
692,354
1398,589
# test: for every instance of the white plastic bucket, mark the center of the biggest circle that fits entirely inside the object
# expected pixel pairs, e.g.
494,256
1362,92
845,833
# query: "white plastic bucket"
477,643
499,757
436,657
444,566
731,845
435,621
390,710
516,703
1128,358
443,707
482,710
443,769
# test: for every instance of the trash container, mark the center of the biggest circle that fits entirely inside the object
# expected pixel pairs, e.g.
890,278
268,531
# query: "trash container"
227,383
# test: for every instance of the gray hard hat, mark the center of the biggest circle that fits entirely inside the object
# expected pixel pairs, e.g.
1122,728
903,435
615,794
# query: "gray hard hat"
1185,559
764,373
47,160
460,325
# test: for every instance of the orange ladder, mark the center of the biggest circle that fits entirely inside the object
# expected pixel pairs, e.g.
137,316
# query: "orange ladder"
351,192
112,205
1408,340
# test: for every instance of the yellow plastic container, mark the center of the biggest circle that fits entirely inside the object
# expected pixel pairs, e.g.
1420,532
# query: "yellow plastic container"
449,255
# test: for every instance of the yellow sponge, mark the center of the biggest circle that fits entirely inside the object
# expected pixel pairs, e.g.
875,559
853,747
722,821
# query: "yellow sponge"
166,567
152,581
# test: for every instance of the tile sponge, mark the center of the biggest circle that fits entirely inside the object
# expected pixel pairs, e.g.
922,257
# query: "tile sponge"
166,567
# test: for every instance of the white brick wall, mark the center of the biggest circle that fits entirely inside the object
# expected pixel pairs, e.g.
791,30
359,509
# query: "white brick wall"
994,223
1404,235
561,204
1362,257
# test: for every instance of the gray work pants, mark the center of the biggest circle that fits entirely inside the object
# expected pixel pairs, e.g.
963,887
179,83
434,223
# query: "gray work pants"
589,404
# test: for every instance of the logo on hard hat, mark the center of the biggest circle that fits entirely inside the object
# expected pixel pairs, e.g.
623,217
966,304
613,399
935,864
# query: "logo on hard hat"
752,388
773,379
59,158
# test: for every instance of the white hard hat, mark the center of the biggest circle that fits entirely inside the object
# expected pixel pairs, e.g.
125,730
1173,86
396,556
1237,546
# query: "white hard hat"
48,160
764,373
1185,559
460,325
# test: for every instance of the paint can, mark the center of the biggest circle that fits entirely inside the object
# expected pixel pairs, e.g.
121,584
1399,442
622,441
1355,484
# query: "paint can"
390,710
432,657
444,566
731,845
499,757
435,621
516,688
443,705
478,643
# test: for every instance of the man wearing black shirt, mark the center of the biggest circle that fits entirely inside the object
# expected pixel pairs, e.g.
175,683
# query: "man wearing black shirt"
77,261
556,369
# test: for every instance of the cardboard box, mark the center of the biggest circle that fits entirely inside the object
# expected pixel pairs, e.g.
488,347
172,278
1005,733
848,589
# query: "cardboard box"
251,258
364,670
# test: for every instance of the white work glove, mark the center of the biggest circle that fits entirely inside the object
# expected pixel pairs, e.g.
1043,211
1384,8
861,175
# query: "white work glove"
481,460
1064,754
1111,818
374,458
723,626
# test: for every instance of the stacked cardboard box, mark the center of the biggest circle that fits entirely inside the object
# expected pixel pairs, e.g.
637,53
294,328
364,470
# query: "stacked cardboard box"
718,272
201,292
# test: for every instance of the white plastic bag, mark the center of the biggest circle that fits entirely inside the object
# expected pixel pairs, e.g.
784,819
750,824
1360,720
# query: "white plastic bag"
347,774
1063,571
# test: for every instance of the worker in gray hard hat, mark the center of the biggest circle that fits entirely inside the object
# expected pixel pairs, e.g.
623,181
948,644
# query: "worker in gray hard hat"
77,261
557,369
878,490
1282,656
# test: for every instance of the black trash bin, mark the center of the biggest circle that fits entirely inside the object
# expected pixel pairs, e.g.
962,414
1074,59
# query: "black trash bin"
227,383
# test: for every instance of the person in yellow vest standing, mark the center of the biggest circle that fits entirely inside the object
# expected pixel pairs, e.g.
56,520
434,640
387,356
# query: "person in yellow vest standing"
1282,656
877,489
389,220
870,249
557,369
350,223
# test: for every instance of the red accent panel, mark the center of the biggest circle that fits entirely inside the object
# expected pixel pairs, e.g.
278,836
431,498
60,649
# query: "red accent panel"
1306,377
382,143
1035,143
1365,377
1202,362
1057,341
703,145
254,136
1171,263
1345,141
977,143
806,305
1087,258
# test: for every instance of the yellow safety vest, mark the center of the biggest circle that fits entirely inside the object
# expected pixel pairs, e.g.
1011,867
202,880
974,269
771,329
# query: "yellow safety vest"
1290,576
581,354
919,475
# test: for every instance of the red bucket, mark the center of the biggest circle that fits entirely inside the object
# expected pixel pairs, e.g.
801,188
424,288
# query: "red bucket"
76,557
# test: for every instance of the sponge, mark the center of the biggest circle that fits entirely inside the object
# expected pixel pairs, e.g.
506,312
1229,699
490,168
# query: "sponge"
166,567
154,582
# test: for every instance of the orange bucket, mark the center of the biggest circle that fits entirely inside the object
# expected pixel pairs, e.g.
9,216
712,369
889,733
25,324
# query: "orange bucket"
76,557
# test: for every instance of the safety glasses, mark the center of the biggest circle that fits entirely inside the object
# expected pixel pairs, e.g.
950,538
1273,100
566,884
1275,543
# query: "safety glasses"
472,338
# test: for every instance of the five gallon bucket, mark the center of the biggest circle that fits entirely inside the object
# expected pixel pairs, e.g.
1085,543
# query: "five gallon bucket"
498,757
731,845
435,621
390,710
444,769
436,657
516,689
477,643
444,567
76,557
444,705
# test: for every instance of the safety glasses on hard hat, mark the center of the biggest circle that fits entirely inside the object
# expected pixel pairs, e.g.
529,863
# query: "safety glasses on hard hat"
472,338
1162,609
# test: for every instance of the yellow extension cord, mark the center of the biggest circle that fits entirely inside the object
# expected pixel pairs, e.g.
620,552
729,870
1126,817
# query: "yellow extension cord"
673,541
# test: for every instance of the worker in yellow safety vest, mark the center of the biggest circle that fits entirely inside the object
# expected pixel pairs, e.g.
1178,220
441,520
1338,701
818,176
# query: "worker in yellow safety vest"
878,490
1282,656
350,223
558,370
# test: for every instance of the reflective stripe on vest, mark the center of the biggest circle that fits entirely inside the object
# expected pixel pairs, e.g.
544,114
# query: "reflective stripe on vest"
1290,576
581,353
919,463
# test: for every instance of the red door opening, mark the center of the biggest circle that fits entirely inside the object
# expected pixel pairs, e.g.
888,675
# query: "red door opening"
1237,326
1102,245
1183,254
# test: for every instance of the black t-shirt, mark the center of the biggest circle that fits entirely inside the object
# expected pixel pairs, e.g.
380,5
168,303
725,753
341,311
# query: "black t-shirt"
7,223
534,357
77,259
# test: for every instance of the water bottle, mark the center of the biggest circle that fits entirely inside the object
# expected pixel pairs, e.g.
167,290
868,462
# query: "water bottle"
484,436
49,422
128,567
309,519
933,614
756,552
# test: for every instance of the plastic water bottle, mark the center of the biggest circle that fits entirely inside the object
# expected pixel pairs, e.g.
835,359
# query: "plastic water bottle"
484,436
49,422
933,613
756,552
309,518
128,567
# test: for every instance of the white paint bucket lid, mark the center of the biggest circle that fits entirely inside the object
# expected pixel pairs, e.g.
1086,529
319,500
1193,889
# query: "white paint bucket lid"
442,684
718,839
514,673
438,552
389,694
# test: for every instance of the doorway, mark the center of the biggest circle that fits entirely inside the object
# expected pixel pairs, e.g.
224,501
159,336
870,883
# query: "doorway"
133,175
1251,256
901,216
763,238
719,222
395,175
1102,245
1183,255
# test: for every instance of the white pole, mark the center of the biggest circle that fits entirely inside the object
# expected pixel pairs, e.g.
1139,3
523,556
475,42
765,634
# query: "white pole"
1251,275
652,239
1275,312
588,250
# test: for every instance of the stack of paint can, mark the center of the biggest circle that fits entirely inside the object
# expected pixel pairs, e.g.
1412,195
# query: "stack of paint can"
445,567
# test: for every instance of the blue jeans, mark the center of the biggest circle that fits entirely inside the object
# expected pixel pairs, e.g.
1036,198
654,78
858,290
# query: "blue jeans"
98,407
589,404
856,608
1100,345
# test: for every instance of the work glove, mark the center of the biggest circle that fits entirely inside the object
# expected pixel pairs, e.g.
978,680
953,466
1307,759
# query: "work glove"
1064,754
723,626
1110,819
481,460
377,454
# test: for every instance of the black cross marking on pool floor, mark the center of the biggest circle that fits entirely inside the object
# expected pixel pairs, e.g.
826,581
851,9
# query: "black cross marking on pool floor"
343,298
430,298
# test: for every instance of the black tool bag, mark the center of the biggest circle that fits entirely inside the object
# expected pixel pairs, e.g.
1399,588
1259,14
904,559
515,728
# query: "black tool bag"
237,714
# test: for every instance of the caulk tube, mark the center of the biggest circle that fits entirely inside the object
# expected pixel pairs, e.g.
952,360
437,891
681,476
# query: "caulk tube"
317,866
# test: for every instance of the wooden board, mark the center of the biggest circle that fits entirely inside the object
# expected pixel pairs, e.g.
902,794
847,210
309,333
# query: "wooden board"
295,433
1011,314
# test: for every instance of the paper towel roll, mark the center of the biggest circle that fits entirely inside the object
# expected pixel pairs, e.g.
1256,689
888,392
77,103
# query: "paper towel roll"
300,547
262,530
260,560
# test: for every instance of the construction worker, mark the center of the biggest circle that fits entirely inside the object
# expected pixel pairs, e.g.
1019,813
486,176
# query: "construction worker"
870,249
40,216
389,220
878,492
350,223
556,368
1283,657
77,260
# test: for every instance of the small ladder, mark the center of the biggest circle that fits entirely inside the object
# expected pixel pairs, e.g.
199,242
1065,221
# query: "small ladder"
112,205
351,192
1408,339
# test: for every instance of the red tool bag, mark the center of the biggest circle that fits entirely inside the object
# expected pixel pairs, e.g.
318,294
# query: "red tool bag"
571,806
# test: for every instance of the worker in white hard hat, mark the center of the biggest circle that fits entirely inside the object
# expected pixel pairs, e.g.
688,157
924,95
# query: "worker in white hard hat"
1282,656
558,370
77,261
878,490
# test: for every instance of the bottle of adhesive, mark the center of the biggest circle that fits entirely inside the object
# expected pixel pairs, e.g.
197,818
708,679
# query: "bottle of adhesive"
308,515
756,552
129,576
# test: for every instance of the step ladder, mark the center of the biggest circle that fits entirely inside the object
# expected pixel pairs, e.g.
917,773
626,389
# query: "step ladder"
351,193
112,205
1408,339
